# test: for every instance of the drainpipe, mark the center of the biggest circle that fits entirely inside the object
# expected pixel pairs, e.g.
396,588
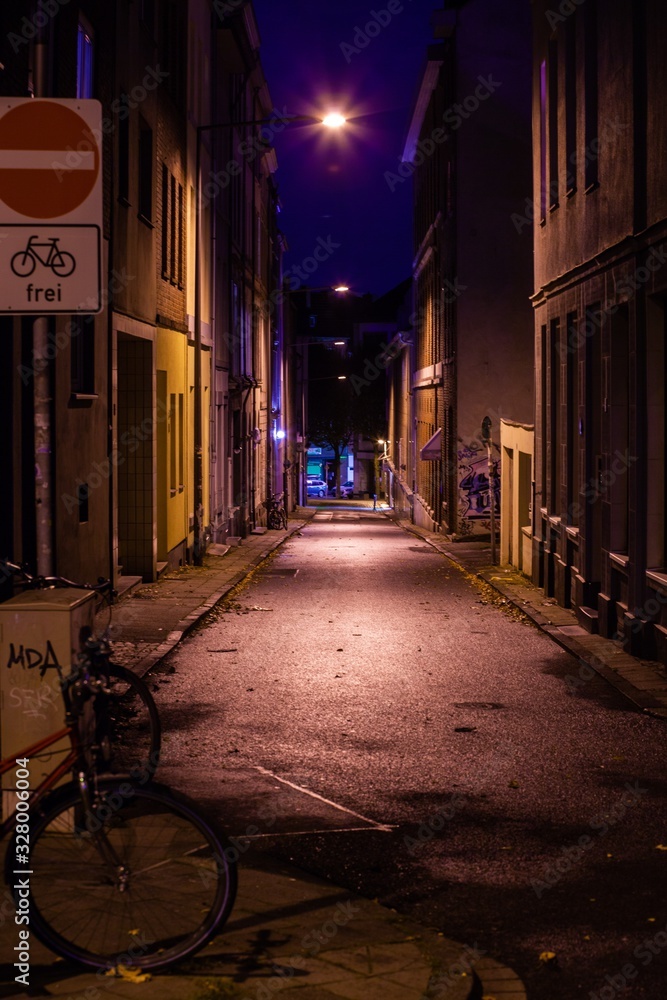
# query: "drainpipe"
44,512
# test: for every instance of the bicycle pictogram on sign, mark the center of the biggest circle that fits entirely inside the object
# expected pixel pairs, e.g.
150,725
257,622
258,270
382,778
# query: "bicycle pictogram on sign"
61,262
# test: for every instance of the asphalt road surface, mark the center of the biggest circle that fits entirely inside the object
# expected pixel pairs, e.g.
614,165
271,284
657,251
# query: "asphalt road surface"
364,709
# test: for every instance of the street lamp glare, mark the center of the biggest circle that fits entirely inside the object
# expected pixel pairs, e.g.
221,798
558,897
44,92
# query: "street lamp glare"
339,343
341,288
334,120
341,378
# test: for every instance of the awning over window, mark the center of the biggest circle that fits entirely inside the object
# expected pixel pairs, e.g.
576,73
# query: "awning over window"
432,450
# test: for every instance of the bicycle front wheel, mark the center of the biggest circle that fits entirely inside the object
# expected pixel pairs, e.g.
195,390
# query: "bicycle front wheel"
141,879
274,519
129,724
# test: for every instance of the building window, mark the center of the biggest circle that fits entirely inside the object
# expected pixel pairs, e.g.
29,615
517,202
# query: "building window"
655,422
165,219
172,231
543,140
571,419
82,355
172,243
571,104
124,150
82,494
145,200
181,443
181,237
554,419
147,14
543,414
84,60
591,92
173,39
619,390
553,125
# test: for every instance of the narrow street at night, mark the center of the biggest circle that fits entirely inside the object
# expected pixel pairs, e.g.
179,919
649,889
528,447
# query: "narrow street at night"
362,709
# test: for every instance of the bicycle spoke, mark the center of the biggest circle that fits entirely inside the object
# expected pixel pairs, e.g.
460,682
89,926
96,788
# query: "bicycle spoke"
172,886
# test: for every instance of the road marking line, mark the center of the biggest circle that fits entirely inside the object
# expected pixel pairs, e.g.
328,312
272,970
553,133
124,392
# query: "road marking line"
314,795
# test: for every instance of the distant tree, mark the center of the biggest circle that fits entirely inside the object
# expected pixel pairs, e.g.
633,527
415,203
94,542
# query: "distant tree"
331,422
341,411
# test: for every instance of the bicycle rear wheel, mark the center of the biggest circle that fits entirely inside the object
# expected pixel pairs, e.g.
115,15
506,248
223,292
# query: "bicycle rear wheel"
171,891
128,723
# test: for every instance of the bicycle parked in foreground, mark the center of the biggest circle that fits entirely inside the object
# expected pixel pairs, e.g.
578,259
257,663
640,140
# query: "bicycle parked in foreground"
125,704
110,870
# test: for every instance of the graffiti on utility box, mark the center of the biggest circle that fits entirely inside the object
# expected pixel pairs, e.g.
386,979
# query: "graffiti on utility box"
29,658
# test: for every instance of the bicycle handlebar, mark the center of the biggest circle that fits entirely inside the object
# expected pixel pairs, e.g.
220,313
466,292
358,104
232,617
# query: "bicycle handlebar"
44,582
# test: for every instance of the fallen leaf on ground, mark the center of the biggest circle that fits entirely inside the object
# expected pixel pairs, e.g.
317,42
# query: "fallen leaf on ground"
549,958
129,975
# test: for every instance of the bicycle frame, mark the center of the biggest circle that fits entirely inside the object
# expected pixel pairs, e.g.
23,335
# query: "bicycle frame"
52,779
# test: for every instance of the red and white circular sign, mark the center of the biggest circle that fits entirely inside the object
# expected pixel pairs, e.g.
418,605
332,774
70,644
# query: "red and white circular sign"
49,158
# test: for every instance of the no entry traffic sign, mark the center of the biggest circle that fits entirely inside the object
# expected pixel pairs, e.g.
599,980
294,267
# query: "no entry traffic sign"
50,162
50,175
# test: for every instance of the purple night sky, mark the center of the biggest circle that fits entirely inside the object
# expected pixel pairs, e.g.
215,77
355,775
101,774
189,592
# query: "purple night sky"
332,184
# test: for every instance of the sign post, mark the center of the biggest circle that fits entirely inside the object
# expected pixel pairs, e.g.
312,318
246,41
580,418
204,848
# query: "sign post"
50,206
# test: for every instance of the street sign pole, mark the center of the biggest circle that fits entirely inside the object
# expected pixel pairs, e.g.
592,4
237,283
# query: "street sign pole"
44,506
50,242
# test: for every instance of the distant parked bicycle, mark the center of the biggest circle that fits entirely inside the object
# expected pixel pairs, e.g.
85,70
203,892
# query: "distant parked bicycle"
23,262
277,515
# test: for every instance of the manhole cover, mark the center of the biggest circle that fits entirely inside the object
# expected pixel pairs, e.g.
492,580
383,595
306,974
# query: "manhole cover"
478,704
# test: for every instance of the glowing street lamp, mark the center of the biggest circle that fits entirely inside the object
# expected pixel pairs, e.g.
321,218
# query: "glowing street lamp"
334,120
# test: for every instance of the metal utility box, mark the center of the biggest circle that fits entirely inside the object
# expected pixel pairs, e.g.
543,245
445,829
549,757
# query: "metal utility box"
39,632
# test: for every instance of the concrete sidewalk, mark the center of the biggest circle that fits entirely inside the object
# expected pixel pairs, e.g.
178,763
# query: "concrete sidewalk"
290,934
643,682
